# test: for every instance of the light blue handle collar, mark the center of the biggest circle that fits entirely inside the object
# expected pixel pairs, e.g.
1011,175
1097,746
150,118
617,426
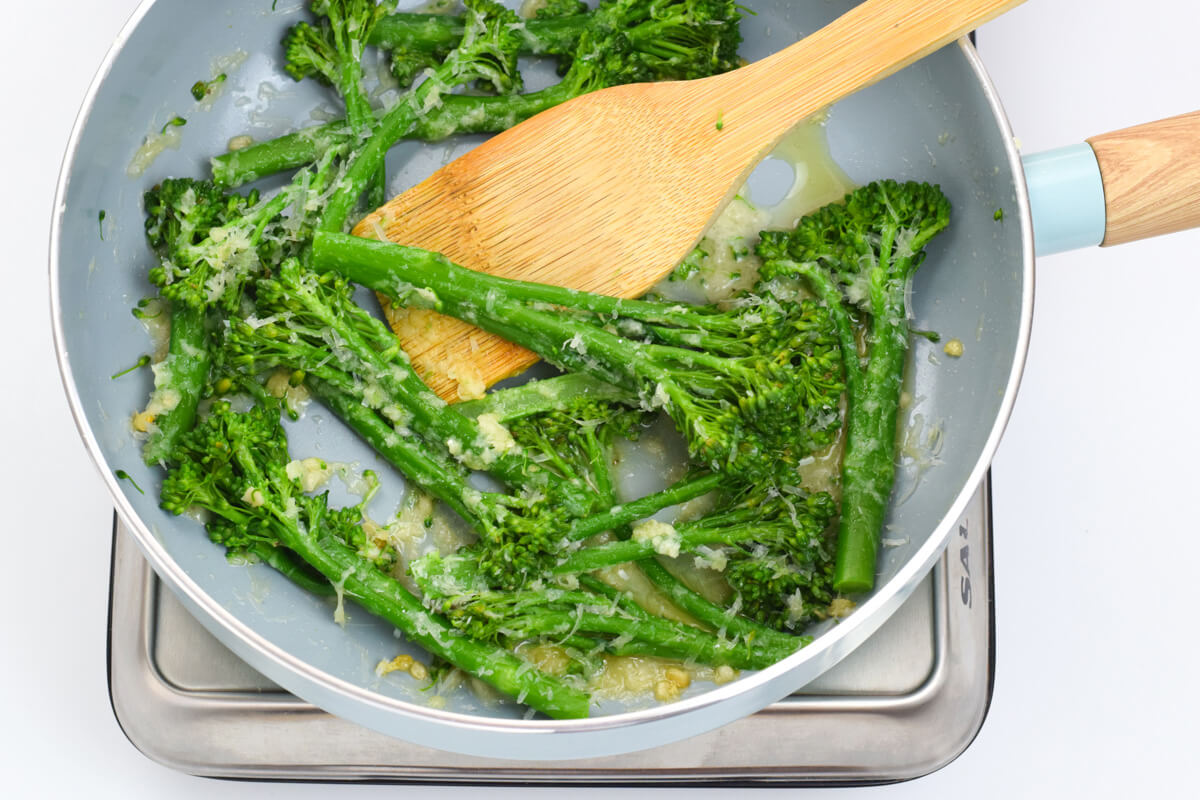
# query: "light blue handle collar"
1066,198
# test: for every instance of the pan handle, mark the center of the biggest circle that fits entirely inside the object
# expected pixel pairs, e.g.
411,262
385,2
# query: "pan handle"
1116,187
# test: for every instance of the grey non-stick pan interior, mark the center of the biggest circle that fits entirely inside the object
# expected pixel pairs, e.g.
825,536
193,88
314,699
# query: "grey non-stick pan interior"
938,120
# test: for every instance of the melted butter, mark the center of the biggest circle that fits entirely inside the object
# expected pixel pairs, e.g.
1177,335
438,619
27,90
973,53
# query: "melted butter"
630,579
628,677
728,264
818,180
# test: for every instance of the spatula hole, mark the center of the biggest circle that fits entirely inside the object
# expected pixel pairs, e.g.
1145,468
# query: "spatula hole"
770,182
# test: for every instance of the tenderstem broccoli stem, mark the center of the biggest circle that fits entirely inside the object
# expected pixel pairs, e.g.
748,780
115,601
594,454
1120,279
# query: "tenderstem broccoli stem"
622,600
620,552
625,513
387,598
290,569
538,397
184,373
384,266
652,635
458,114
435,476
868,464
711,614
575,345
391,128
429,33
285,152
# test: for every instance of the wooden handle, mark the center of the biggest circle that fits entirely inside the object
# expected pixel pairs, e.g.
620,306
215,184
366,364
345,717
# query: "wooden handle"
1151,176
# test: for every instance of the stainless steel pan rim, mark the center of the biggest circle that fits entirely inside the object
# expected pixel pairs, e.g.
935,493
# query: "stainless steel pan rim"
606,735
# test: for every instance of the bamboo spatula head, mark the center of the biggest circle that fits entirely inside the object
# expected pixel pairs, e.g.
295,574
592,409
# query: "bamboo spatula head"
609,191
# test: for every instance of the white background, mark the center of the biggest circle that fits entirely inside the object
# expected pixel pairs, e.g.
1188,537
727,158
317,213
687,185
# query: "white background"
1095,518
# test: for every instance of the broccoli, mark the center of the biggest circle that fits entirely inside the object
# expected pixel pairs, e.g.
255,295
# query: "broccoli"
621,42
179,381
859,257
754,388
772,549
207,241
487,52
664,30
589,618
554,461
421,41
523,531
234,466
332,51
210,243
310,324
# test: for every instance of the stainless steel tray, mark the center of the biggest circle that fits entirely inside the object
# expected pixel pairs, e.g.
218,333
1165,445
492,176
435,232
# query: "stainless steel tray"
907,702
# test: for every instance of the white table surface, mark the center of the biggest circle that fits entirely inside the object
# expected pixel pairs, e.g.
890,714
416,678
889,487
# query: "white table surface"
1095,524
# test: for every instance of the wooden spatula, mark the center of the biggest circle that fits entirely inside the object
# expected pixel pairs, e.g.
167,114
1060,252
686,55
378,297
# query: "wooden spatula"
608,192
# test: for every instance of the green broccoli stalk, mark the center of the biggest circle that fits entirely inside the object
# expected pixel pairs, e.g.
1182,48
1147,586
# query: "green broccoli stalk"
179,381
453,587
753,389
557,393
235,467
726,620
793,527
859,257
624,43
332,52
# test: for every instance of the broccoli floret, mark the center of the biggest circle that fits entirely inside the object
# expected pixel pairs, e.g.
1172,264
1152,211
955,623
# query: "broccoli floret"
332,52
417,42
859,257
208,242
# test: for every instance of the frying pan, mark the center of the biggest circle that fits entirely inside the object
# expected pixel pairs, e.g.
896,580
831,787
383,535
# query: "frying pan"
939,120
